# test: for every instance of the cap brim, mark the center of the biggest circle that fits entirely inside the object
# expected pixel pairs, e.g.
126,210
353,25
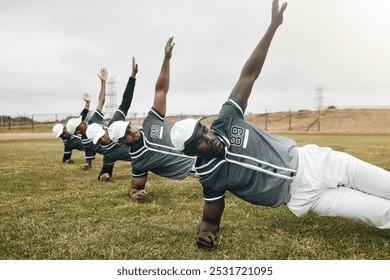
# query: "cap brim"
123,130
58,129
190,142
98,136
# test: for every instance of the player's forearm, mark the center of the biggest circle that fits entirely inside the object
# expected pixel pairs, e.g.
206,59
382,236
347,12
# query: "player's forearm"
138,184
66,156
87,105
84,113
102,95
261,50
162,83
128,94
255,62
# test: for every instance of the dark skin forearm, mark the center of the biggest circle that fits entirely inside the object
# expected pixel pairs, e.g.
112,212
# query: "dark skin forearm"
209,226
162,84
254,64
137,192
102,95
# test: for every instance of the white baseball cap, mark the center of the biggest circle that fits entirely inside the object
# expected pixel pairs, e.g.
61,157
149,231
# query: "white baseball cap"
184,132
95,132
117,130
72,124
58,129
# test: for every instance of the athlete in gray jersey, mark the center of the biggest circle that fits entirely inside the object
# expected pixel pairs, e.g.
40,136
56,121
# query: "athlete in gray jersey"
256,166
157,153
151,146
266,169
79,125
97,134
73,142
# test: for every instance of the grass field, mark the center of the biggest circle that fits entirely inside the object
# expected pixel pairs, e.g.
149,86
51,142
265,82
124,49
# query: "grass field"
53,211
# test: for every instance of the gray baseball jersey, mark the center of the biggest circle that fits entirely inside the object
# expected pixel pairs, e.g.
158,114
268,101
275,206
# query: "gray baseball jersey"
74,143
157,153
256,165
111,152
114,152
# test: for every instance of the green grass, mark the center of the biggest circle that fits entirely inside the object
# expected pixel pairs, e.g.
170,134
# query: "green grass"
53,211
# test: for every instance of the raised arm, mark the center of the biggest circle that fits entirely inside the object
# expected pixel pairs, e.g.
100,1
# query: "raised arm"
134,70
209,226
162,84
102,95
127,97
87,99
252,67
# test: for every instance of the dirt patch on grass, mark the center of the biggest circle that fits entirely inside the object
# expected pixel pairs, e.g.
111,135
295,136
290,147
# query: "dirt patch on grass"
17,136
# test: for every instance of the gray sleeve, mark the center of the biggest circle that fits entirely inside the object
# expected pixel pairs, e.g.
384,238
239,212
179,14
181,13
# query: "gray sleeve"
233,108
97,117
212,196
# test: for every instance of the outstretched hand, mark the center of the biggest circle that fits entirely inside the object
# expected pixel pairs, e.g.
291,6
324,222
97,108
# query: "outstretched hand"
103,74
86,97
277,14
169,47
134,68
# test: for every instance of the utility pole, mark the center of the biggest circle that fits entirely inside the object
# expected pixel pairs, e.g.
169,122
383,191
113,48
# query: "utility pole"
111,98
320,96
319,90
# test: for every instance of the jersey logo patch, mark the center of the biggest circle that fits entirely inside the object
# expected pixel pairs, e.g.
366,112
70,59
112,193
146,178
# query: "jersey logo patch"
156,131
239,136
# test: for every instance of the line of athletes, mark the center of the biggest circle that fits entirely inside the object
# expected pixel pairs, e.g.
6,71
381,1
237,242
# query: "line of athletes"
232,155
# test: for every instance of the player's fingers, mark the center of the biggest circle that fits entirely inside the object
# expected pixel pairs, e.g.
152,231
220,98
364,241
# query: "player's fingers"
204,244
206,240
141,199
284,6
275,6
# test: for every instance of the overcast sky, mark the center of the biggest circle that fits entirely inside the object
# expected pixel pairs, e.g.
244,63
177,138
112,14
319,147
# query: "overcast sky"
51,51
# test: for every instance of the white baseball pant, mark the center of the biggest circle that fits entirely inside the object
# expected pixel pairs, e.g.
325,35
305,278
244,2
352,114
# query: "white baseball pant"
336,184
